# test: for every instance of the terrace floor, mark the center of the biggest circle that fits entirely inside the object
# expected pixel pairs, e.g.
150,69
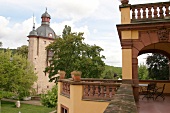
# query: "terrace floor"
154,106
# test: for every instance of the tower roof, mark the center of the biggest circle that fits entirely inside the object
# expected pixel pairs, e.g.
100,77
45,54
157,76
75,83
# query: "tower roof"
44,30
45,15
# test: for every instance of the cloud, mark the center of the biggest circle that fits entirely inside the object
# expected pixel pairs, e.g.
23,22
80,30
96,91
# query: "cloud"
96,18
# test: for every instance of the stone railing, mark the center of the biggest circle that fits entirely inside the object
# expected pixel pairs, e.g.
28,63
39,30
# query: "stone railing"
150,12
93,89
65,88
99,91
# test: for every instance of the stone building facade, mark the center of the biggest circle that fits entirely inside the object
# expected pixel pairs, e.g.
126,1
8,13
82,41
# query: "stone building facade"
39,39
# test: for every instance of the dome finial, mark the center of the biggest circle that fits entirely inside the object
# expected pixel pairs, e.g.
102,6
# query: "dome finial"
46,9
33,22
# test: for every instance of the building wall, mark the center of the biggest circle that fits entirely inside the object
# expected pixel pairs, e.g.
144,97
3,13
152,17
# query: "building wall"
75,104
38,56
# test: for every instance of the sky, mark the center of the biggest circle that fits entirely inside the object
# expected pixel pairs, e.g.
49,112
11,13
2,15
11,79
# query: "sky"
96,18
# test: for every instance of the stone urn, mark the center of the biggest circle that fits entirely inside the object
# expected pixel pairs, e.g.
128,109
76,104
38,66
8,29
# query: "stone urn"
124,1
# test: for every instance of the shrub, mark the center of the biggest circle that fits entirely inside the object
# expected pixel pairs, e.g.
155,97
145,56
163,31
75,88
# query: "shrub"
50,99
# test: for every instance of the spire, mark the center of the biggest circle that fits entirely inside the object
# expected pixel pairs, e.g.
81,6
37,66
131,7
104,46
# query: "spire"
33,23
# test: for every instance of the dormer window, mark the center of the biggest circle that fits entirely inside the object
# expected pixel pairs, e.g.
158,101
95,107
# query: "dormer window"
50,35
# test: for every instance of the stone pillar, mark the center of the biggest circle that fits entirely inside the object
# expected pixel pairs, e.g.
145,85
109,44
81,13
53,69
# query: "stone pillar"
135,78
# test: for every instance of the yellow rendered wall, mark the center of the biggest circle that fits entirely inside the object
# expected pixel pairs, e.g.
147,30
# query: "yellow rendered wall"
125,15
130,34
126,64
77,105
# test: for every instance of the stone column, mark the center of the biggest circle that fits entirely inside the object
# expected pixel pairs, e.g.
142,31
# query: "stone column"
135,78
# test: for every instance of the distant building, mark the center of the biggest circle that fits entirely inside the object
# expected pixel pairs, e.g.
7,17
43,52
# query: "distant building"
37,53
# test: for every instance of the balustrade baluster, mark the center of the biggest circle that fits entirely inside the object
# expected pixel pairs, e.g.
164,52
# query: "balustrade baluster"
167,10
155,12
139,13
96,91
107,91
86,91
149,12
161,11
91,91
113,91
144,12
133,13
102,91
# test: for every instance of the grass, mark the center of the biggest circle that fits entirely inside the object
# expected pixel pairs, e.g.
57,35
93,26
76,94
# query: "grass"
9,107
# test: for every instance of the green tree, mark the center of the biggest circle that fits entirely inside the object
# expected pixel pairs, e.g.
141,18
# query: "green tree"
71,53
112,72
16,73
143,72
0,44
23,50
158,66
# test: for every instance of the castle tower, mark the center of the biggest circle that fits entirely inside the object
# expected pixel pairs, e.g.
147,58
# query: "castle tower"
37,53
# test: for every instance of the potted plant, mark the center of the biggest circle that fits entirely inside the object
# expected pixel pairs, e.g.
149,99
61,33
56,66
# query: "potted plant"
76,75
62,74
124,1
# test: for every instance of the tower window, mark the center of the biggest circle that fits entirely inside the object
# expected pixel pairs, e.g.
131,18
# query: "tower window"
50,35
44,42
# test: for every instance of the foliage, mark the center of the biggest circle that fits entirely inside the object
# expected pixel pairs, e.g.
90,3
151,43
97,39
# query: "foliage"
5,94
23,50
71,53
143,72
16,73
158,66
112,72
50,99
0,44
9,107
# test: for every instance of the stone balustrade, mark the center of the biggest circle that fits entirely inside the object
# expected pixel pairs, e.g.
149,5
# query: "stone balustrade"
65,88
99,90
150,12
93,89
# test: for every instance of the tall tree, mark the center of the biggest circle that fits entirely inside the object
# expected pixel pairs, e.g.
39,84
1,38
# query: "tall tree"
158,66
23,50
143,72
16,73
71,53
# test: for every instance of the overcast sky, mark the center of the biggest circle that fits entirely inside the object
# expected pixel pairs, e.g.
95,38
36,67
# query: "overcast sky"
96,18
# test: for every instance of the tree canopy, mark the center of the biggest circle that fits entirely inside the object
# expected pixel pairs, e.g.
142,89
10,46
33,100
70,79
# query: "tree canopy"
23,50
143,72
71,53
16,73
158,66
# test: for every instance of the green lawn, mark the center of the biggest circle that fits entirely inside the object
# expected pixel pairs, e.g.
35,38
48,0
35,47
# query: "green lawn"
9,107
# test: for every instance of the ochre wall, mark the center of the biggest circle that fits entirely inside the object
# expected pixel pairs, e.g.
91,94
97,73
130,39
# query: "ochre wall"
125,15
126,64
75,104
130,34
